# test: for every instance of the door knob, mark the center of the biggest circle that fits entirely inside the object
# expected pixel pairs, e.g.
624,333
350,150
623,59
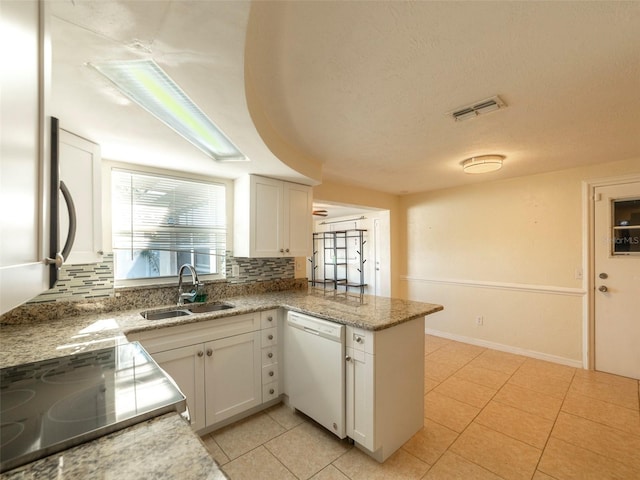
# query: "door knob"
209,352
603,288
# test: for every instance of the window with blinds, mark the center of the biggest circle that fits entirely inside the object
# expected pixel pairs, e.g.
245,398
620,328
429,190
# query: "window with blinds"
160,223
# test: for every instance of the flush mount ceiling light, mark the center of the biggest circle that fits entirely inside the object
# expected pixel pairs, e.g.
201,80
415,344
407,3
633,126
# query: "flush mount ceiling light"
144,82
483,164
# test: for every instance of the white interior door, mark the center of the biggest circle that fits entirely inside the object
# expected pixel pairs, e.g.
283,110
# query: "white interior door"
617,279
376,256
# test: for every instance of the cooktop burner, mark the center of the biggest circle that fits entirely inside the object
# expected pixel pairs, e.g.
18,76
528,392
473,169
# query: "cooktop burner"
51,405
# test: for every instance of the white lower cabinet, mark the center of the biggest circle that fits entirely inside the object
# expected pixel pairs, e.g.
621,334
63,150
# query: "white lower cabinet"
385,386
217,364
233,377
186,366
359,401
232,365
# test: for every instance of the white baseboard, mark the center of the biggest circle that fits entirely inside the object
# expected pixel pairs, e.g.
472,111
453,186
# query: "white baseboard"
505,348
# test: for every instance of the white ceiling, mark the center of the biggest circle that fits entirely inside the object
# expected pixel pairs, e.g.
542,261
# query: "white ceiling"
362,88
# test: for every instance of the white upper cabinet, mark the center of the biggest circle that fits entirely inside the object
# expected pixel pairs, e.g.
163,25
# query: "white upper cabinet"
272,218
24,146
80,170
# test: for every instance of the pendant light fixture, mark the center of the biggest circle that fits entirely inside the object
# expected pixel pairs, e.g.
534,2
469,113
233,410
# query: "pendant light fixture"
483,164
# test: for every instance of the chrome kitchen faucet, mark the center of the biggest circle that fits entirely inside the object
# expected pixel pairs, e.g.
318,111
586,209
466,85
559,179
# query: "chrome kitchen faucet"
190,296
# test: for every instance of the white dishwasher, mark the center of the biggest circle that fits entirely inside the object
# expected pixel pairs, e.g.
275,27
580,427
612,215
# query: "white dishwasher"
314,367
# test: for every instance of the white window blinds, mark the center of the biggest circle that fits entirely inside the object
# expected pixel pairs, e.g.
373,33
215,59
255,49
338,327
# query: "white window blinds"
153,215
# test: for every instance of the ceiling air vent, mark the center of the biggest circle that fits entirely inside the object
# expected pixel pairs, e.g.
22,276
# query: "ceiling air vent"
478,108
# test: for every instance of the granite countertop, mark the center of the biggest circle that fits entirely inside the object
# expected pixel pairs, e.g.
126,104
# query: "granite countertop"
164,447
23,343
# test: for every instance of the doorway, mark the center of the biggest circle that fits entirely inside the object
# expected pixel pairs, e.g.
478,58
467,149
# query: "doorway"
376,250
615,283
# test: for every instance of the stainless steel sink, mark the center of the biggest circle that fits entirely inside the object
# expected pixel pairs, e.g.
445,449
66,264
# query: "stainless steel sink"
210,307
155,315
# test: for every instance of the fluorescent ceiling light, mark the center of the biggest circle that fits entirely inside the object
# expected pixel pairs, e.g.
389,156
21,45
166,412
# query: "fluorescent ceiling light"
144,82
483,164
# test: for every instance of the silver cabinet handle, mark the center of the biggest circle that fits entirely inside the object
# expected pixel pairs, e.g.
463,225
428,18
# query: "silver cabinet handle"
200,353
359,340
209,352
603,288
348,358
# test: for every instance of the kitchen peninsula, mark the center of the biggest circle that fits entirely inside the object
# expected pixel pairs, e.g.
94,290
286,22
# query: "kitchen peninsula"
67,335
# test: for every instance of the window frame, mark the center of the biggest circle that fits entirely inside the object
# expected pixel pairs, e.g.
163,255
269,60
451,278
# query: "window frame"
107,169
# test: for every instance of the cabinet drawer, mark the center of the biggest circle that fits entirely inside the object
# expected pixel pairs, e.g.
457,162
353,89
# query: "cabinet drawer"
269,319
269,355
269,337
359,339
270,391
270,373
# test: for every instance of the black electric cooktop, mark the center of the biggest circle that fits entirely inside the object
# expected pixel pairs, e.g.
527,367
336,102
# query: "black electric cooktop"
51,405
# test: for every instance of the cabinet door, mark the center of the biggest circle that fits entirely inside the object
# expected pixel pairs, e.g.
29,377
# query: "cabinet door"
297,221
186,366
360,414
266,217
233,376
80,171
23,176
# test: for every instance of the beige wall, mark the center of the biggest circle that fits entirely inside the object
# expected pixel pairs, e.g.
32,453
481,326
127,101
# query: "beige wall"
505,250
357,196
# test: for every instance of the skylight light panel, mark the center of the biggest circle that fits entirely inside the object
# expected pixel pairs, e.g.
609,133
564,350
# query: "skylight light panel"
144,82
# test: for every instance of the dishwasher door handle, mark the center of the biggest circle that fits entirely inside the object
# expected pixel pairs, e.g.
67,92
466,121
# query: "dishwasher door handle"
311,330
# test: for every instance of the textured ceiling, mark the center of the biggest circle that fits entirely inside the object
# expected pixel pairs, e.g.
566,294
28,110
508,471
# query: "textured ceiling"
363,88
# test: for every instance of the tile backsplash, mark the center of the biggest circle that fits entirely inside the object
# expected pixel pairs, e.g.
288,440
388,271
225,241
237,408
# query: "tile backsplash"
81,282
84,289
84,282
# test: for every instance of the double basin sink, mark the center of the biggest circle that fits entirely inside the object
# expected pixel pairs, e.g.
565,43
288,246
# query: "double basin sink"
186,310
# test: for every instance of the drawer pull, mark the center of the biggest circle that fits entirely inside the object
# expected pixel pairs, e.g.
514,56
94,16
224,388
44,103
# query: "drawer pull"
270,354
270,337
270,318
271,373
200,353
209,352
271,391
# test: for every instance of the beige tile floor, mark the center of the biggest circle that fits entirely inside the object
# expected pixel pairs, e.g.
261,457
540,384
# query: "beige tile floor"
488,415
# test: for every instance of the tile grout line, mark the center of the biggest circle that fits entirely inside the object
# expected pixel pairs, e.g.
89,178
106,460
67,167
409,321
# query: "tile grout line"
476,416
554,424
